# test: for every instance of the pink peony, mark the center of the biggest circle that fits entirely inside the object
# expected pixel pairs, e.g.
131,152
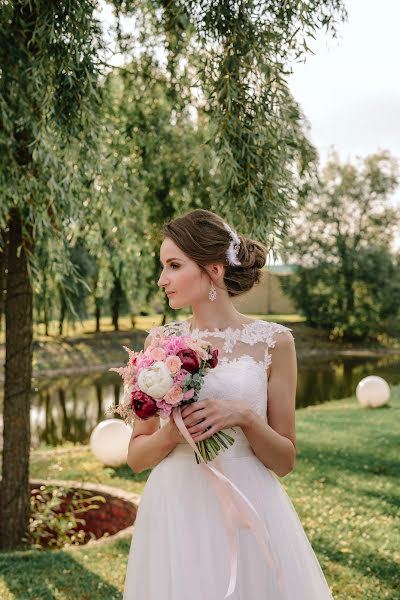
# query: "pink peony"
175,343
144,361
174,395
173,364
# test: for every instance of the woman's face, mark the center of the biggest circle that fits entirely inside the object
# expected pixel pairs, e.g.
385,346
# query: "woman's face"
182,279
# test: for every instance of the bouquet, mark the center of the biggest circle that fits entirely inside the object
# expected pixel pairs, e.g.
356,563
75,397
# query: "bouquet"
168,374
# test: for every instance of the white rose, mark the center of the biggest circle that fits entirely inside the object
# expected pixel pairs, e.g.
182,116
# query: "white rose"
155,381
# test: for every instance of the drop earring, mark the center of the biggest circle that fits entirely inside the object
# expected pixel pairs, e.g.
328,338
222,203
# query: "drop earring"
212,293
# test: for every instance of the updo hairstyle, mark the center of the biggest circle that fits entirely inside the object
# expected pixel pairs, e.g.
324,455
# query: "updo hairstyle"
201,235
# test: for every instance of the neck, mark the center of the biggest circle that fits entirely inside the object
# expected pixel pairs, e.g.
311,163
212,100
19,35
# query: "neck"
208,316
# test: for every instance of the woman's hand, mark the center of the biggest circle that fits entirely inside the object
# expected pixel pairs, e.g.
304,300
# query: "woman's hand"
214,414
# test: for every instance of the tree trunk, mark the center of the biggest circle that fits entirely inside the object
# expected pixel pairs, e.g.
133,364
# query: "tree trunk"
99,397
3,267
98,316
46,322
63,309
66,425
45,306
15,492
116,298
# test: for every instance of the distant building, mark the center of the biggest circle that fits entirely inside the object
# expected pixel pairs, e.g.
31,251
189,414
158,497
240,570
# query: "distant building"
268,296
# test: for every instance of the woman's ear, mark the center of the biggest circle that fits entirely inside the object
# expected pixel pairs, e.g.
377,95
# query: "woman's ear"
216,271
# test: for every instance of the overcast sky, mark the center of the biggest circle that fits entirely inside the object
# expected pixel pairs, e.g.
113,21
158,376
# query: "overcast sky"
350,88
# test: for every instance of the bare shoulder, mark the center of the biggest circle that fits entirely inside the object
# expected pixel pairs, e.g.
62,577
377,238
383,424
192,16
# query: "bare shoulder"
282,354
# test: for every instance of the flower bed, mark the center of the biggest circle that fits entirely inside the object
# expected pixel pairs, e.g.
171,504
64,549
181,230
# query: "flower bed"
112,512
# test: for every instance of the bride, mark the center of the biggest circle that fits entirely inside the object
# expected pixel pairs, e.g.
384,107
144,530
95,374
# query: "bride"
180,548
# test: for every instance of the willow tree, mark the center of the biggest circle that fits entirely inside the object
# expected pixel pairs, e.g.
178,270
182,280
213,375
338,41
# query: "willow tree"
48,98
240,54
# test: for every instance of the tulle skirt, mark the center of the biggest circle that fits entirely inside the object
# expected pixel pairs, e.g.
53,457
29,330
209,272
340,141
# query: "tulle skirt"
180,549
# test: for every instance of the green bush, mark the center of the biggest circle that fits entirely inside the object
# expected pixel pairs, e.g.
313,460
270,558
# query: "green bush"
322,294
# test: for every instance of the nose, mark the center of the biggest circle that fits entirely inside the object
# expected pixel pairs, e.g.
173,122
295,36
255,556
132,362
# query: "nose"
162,281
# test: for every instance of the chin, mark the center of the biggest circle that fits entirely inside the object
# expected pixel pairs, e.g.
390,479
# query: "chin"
176,305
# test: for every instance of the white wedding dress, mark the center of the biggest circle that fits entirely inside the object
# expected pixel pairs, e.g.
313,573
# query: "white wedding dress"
179,549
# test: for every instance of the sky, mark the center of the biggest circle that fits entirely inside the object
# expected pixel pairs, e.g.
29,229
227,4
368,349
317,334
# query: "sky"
349,89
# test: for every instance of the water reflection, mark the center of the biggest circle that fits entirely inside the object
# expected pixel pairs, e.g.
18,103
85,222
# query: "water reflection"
330,379
68,408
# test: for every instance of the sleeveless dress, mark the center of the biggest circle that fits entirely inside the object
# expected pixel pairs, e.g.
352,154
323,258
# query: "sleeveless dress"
179,548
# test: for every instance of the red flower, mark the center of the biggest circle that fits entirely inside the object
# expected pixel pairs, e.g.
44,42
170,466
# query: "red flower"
213,361
190,360
143,405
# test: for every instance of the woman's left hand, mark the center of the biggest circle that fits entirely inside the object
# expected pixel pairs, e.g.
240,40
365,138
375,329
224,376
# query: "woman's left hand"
214,413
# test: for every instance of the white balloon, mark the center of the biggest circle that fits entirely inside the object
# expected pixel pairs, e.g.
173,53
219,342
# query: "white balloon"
373,391
109,442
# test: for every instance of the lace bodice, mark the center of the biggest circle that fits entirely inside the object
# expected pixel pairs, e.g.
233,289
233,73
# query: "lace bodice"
243,361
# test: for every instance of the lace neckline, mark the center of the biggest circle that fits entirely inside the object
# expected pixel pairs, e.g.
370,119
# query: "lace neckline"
219,332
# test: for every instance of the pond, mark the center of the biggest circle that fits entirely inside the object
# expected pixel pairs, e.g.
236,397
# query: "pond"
68,408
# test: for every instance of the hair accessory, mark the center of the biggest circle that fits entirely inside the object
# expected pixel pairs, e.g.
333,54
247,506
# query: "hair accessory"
234,247
212,294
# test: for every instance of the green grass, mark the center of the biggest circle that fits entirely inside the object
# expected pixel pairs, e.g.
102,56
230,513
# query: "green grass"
344,488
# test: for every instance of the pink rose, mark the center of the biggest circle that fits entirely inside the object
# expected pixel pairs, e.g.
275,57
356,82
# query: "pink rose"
173,364
157,354
174,395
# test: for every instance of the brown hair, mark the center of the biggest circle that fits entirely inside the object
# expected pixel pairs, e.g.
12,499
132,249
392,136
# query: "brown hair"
201,235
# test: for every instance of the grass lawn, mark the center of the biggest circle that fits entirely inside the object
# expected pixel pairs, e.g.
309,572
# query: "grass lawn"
345,488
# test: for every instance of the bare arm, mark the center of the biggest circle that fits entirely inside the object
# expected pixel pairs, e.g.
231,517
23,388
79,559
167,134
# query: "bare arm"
275,443
150,444
146,450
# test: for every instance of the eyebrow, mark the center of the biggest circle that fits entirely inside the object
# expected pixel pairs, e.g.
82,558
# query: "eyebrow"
169,260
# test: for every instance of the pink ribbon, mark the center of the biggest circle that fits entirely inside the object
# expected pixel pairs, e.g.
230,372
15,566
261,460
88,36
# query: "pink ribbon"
237,511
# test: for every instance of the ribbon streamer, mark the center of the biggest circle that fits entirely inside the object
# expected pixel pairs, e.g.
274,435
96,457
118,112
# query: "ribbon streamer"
237,510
